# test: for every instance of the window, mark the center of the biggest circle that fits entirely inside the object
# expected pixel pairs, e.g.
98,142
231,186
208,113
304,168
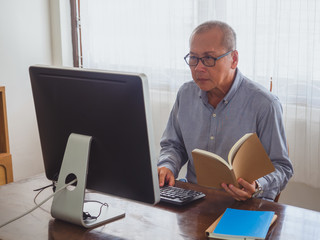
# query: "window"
278,39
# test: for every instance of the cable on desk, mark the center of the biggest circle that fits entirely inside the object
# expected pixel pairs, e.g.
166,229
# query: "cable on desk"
42,188
40,191
87,215
38,205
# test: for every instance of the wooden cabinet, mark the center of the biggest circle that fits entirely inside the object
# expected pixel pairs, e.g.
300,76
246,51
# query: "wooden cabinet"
6,174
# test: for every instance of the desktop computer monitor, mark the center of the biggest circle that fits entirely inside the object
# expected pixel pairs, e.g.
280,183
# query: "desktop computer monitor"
112,108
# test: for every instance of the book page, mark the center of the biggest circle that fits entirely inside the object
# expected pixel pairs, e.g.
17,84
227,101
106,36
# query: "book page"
236,147
211,169
251,160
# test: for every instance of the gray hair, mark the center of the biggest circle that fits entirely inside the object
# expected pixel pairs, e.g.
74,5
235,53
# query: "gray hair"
229,35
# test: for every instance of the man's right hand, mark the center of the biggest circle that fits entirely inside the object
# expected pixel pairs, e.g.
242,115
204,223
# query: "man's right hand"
165,176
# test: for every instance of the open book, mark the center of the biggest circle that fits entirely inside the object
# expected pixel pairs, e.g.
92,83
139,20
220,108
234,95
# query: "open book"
247,159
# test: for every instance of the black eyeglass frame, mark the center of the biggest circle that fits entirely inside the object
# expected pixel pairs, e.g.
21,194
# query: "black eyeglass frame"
214,63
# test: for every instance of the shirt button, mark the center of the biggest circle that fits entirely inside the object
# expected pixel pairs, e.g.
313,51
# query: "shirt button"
214,115
212,137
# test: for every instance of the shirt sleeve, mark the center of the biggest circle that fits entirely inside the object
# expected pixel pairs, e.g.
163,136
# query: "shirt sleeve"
272,135
173,153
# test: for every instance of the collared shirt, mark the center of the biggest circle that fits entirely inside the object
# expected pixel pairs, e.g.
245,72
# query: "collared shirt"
247,108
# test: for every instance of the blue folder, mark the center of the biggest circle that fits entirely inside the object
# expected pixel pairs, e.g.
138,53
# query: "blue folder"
247,224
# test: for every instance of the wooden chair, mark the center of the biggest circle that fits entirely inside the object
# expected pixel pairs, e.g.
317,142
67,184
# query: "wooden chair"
277,197
6,173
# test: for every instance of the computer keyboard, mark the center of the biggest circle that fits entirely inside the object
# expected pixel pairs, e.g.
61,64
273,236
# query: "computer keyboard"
179,196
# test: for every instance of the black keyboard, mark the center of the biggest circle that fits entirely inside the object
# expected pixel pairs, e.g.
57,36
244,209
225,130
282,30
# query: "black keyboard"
179,196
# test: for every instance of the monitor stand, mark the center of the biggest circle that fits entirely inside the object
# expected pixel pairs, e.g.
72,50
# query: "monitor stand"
68,205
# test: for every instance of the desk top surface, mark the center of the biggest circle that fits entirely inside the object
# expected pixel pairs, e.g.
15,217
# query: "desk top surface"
142,221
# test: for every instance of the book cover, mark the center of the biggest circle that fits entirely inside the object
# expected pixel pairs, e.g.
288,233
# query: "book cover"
241,224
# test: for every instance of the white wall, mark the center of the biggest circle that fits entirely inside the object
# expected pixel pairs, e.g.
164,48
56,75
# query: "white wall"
26,38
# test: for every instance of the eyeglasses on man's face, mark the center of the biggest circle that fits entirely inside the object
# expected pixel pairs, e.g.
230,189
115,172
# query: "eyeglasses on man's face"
208,61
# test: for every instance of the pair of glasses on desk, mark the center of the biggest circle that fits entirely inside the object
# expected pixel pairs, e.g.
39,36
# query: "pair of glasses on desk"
179,196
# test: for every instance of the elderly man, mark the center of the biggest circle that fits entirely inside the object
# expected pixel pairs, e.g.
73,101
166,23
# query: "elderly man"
217,108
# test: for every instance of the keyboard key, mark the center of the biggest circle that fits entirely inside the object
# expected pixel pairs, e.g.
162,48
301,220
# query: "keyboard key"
179,196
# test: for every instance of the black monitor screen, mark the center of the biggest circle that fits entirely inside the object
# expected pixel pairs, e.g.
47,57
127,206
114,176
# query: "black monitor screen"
112,107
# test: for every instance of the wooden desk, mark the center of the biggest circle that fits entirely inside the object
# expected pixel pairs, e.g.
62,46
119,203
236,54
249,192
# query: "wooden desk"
142,221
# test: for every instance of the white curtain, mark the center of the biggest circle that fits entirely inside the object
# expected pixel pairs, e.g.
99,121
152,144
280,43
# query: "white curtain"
278,39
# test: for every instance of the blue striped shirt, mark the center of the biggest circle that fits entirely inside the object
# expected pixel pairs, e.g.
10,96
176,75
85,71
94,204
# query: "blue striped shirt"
247,108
